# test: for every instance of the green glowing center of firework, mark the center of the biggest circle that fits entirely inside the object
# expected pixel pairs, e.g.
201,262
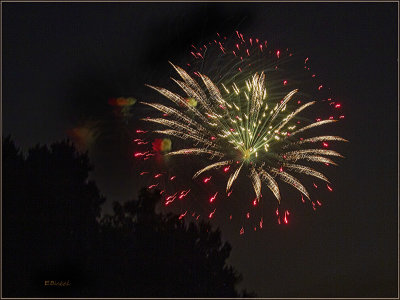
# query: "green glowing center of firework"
246,154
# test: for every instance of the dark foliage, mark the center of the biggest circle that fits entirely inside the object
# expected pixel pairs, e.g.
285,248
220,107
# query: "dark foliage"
52,231
166,258
50,212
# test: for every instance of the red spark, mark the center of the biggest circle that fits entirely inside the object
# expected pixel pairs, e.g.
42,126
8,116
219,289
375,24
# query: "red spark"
337,105
255,202
213,138
248,215
320,87
158,175
319,203
261,47
298,102
172,178
319,119
171,197
313,75
261,223
183,194
331,118
234,53
302,199
230,217
277,212
168,202
226,169
242,230
251,41
207,179
325,144
341,117
247,51
140,131
141,174
229,193
281,169
305,61
182,215
222,48
315,185
138,154
152,186
277,53
329,188
213,197
211,214
285,82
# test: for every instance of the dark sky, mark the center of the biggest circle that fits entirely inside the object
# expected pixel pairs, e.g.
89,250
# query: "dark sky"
62,61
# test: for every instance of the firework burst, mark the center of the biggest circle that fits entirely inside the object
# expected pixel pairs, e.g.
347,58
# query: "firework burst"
243,130
242,124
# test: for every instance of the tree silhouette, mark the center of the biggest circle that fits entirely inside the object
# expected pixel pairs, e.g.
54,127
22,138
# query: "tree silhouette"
50,210
157,255
52,230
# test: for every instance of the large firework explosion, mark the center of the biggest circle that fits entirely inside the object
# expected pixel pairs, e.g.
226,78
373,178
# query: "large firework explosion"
243,117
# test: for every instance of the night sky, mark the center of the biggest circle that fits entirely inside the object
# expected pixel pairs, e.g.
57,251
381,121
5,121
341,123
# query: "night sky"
63,61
